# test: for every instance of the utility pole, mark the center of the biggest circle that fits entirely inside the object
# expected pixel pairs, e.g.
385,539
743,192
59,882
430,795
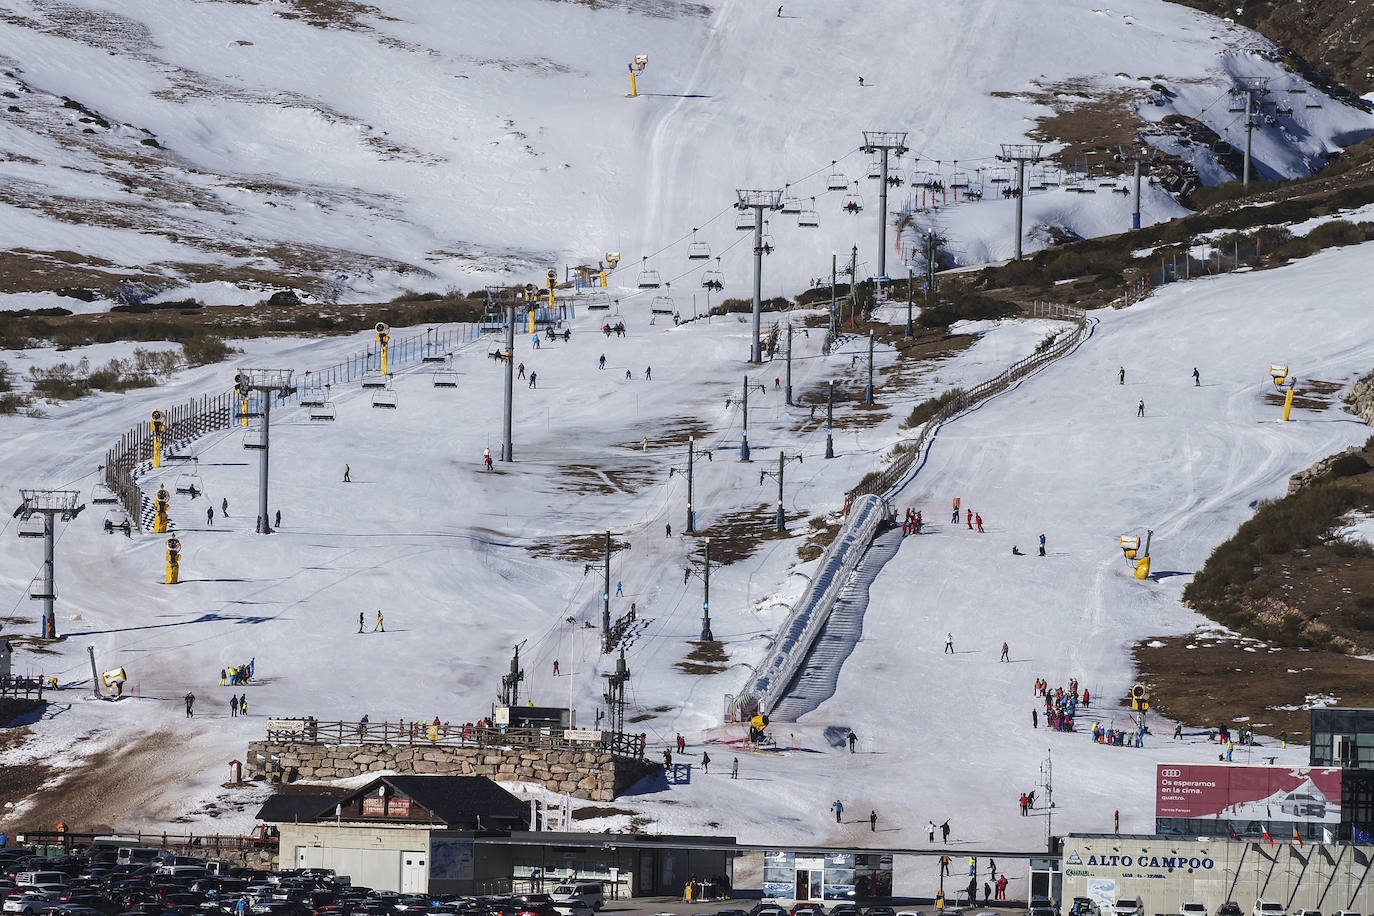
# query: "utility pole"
933,242
606,589
758,201
95,676
853,283
267,382
830,421
744,430
507,445
510,682
834,261
787,393
51,505
692,452
1252,87
781,523
1020,153
910,292
1047,771
868,392
882,142
705,575
1135,217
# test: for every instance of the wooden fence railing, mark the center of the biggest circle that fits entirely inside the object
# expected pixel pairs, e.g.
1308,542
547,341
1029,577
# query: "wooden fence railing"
402,734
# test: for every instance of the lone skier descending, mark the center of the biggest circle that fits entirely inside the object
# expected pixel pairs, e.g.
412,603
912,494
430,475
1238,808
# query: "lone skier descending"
380,627
360,621
190,705
1197,379
1005,656
949,644
347,479
1140,408
1042,544
1121,376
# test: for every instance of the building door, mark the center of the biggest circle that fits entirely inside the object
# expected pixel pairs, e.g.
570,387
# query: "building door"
414,873
802,890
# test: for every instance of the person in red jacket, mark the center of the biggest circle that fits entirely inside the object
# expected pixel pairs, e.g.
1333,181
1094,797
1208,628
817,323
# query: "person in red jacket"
978,520
970,519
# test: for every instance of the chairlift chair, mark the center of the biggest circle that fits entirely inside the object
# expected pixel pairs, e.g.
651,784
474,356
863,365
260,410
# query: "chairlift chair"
385,397
102,495
115,518
698,251
1053,176
896,178
433,353
253,439
31,527
375,380
959,180
324,411
446,378
766,239
313,396
648,277
875,170
185,482
1001,176
853,201
713,279
837,180
744,220
809,218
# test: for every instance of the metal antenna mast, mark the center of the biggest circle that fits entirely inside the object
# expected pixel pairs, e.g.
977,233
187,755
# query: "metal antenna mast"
51,504
882,142
758,201
1020,153
267,382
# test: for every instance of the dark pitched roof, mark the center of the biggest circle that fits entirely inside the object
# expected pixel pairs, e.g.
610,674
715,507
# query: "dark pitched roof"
287,809
456,799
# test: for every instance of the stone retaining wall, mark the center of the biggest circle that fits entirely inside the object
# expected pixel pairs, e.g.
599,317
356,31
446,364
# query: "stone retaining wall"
593,775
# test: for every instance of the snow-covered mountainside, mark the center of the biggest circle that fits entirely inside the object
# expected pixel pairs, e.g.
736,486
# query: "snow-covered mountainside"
224,147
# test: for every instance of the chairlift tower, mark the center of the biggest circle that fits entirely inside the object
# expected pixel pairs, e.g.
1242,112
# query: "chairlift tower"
883,142
1020,153
758,201
267,382
705,576
611,547
615,693
1252,87
693,450
780,524
52,505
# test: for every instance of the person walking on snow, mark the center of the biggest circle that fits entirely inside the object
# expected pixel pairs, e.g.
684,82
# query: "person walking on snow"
1042,544
277,522
347,479
555,667
944,833
930,830
534,379
969,520
978,522
224,507
380,627
1035,718
681,744
1140,409
949,644
734,769
1005,656
601,363
222,675
839,809
190,705
486,458
944,860
628,375
853,739
954,517
648,373
706,763
521,370
234,705
873,821
209,515
1197,379
243,704
1121,376
972,891
619,590
360,621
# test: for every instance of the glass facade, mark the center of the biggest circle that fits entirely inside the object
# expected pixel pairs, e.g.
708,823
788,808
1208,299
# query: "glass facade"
791,875
1343,738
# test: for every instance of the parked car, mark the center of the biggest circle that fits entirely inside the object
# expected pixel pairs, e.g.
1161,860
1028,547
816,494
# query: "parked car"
1267,908
1229,908
574,908
1308,913
1192,908
30,903
1128,906
589,892
1083,906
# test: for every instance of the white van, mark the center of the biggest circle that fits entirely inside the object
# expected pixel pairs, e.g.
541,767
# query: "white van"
1128,906
586,892
137,855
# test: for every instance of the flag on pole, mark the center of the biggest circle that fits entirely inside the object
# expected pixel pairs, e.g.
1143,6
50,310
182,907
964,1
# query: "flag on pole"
1232,831
1267,838
1297,839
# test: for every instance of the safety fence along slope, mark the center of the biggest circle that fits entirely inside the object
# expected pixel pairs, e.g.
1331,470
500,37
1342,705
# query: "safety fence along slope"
799,631
896,475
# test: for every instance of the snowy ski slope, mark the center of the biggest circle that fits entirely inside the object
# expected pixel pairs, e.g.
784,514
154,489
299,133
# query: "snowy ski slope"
428,144
459,559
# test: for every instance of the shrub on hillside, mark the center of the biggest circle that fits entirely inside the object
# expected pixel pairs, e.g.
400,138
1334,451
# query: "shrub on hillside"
206,349
1348,466
923,411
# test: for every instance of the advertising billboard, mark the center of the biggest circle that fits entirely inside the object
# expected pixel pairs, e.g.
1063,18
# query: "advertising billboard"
1248,793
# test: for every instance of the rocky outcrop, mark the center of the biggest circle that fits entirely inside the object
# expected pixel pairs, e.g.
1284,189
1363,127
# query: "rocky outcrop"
1319,470
593,775
1361,399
